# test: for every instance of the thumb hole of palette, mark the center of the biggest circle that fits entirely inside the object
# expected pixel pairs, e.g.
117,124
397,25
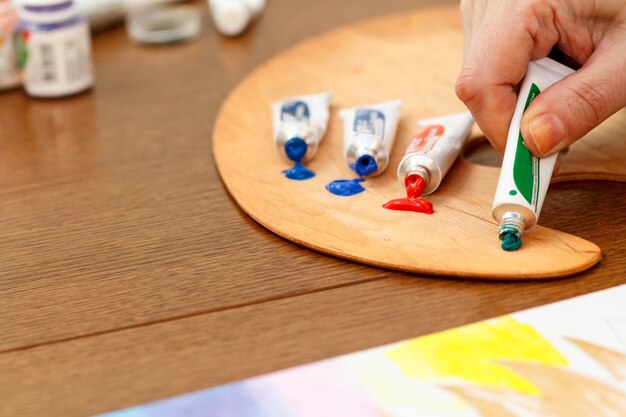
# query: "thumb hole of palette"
354,62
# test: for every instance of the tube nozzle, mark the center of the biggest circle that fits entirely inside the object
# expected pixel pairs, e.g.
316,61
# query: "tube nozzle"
510,231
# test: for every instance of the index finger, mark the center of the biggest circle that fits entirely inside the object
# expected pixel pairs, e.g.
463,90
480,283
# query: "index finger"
502,44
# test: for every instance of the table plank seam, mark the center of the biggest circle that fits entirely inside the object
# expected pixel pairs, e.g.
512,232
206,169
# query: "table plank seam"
193,314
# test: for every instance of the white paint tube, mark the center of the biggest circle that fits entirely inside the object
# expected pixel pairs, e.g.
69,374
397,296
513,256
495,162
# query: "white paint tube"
369,133
300,119
431,153
524,178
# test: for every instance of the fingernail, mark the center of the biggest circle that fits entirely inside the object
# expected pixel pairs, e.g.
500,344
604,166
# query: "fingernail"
547,131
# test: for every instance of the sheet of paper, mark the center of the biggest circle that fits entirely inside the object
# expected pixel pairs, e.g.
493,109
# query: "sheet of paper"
562,359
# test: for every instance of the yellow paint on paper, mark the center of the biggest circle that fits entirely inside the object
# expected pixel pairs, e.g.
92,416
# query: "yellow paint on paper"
472,353
397,394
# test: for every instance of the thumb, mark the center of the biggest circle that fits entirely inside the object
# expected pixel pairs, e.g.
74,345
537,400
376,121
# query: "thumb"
570,108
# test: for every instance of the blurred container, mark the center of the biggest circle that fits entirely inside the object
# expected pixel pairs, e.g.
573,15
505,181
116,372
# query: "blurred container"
154,22
232,17
9,69
54,46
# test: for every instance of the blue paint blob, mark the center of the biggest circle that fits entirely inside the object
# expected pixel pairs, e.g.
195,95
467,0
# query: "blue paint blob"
298,172
295,148
365,165
346,188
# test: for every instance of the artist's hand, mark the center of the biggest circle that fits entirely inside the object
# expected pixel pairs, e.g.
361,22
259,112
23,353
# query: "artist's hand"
501,36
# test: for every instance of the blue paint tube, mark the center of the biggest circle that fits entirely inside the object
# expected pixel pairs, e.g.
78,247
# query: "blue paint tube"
369,133
299,126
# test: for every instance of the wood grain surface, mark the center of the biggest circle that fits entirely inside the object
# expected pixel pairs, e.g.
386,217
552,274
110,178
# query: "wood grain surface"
384,59
127,273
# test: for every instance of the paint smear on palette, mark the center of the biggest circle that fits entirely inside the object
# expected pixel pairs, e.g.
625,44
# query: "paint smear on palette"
414,185
365,165
473,353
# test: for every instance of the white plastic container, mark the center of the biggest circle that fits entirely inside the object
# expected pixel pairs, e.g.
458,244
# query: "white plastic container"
157,22
300,118
55,43
368,136
9,70
232,17
524,178
434,149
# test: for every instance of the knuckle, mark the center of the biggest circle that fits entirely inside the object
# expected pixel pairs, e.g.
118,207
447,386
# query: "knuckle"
532,15
466,86
589,103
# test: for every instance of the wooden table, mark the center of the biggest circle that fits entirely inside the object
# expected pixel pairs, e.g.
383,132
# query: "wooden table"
127,273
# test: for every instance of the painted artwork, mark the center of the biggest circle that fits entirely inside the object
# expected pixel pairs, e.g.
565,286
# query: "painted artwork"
566,359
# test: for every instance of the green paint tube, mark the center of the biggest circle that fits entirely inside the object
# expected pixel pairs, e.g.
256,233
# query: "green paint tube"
524,178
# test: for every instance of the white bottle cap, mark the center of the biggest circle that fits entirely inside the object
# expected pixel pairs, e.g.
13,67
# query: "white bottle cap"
255,6
231,17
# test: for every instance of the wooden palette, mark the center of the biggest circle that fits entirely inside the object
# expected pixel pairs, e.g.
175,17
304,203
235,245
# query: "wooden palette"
414,56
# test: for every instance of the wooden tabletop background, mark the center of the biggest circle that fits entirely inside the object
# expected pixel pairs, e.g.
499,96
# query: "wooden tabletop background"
127,273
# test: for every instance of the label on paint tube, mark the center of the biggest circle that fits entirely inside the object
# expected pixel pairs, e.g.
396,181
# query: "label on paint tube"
371,122
526,166
426,139
295,111
305,117
370,130
435,147
524,178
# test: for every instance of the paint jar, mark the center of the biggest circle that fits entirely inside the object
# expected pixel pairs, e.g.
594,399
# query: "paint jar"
9,69
54,46
154,22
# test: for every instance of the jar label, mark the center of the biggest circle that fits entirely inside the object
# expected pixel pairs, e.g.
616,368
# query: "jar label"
9,70
56,62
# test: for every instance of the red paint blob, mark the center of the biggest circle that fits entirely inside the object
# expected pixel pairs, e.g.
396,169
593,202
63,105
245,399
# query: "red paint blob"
414,188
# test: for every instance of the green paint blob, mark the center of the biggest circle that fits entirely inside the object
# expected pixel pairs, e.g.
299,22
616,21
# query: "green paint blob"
510,241
512,192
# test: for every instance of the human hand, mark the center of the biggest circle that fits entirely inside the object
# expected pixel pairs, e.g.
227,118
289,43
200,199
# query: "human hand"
501,36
